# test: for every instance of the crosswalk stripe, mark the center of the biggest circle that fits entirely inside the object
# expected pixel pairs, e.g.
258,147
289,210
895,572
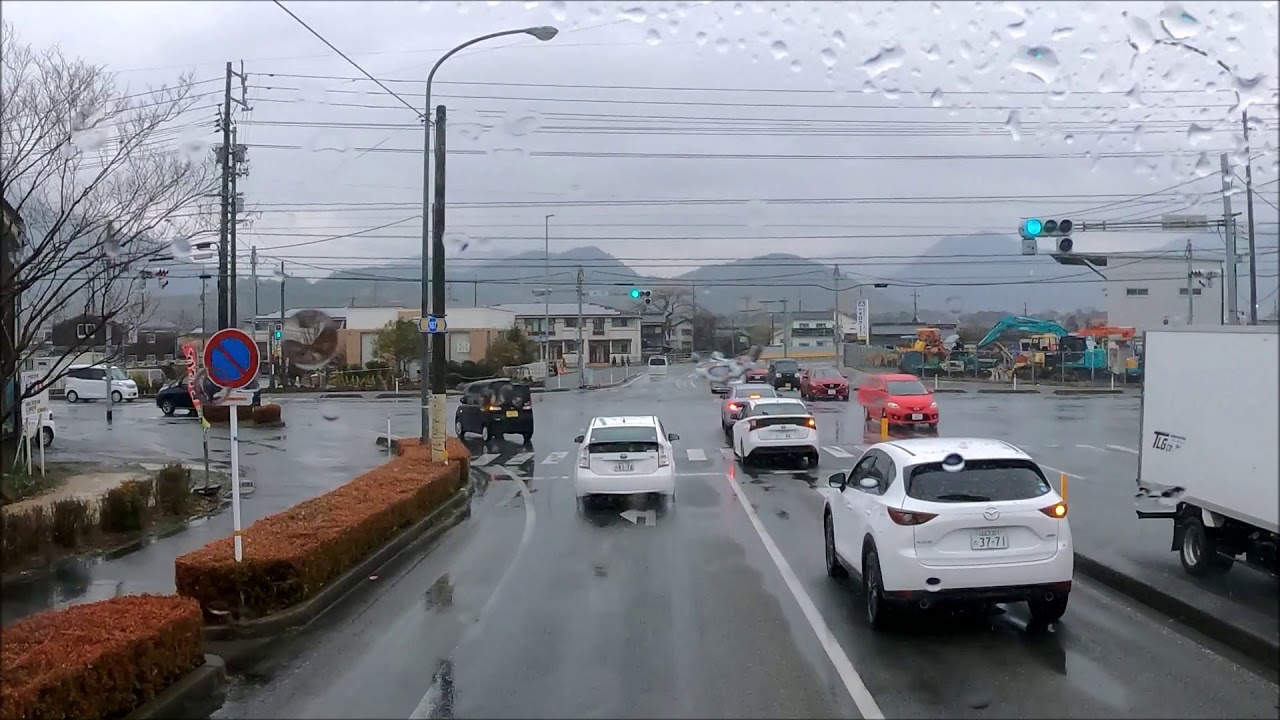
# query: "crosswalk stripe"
554,458
838,452
484,459
520,459
696,455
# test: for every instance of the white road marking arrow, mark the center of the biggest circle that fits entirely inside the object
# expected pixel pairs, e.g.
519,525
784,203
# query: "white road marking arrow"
520,459
554,458
650,517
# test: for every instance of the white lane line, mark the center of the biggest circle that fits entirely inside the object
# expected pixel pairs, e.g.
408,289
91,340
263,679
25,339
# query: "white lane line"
484,459
427,705
520,459
700,474
1122,448
1090,447
862,698
1061,472
838,451
696,455
554,458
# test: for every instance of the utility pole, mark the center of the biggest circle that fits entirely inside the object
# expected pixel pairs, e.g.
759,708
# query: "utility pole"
1233,311
1191,305
233,210
836,335
546,289
253,270
915,307
582,276
786,327
280,345
439,341
204,328
227,158
1253,239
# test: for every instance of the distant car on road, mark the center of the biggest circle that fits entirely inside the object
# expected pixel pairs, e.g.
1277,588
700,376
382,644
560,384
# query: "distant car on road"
89,382
935,521
173,396
756,375
493,408
900,398
657,366
734,401
776,427
823,383
626,455
784,374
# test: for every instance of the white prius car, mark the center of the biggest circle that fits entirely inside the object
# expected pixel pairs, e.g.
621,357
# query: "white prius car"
775,427
629,455
930,521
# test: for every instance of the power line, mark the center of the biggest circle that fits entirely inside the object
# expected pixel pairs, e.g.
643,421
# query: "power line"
353,63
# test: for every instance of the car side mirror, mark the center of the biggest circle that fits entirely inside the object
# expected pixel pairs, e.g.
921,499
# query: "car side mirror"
836,480
869,483
579,439
672,437
463,400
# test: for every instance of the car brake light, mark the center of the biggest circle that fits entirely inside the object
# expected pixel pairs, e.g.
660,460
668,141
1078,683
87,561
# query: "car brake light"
733,406
663,461
584,458
903,517
811,423
753,425
1057,510
494,408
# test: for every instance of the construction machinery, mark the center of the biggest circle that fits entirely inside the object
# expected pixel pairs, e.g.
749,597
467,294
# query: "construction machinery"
1051,348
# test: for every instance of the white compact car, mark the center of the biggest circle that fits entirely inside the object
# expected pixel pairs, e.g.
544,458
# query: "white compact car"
657,366
927,521
775,427
629,455
89,382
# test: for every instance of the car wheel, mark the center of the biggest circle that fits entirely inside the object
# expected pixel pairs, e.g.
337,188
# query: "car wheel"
583,504
525,438
73,397
878,611
458,430
47,435
485,433
166,407
1199,552
1047,611
834,568
116,397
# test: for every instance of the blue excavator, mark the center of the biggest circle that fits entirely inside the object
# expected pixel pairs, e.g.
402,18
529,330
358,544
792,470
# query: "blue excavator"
1074,355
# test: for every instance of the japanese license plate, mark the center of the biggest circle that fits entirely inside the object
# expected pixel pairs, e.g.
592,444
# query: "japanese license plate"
623,467
787,386
831,391
991,539
513,413
782,433
917,416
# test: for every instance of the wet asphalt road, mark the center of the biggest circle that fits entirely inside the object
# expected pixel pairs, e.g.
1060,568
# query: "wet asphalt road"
529,610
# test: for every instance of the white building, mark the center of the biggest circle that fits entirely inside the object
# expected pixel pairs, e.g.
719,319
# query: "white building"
610,335
1146,292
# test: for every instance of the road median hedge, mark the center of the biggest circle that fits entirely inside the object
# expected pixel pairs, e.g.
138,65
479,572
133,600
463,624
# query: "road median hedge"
97,660
292,555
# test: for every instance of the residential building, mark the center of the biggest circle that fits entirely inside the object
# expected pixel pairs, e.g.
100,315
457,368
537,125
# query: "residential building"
87,332
151,345
804,334
611,336
657,339
1149,292
471,330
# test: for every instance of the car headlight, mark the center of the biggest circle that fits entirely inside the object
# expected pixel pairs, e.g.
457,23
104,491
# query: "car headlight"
892,405
933,404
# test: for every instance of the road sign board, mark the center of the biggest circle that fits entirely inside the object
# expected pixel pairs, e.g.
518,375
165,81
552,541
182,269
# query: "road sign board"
237,397
432,324
231,358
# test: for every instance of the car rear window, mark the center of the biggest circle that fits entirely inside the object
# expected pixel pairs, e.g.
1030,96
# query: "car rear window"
746,391
906,387
979,481
787,408
657,361
512,393
632,438
786,366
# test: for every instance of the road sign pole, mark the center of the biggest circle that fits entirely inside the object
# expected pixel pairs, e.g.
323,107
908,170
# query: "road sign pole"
235,483
231,361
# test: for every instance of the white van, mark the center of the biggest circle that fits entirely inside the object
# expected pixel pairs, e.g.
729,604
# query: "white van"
89,382
657,366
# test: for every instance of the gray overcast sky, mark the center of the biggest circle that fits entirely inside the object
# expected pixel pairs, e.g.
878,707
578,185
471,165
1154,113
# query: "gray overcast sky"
944,83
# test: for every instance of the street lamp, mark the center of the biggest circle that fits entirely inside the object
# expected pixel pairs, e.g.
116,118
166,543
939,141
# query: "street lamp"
543,33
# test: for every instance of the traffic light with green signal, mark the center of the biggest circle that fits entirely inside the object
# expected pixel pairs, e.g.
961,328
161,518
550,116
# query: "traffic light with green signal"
1033,229
278,333
638,294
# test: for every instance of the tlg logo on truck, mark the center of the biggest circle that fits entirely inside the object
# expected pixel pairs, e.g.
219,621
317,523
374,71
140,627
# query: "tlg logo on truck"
1168,442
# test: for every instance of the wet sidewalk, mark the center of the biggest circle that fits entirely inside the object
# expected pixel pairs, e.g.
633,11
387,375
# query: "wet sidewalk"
308,458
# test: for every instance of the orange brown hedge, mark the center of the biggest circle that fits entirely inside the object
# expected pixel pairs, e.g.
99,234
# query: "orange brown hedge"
292,555
99,660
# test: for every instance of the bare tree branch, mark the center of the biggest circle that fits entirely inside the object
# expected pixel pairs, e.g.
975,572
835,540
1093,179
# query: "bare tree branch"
105,191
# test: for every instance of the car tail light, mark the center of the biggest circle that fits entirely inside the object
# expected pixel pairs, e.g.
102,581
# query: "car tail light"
584,458
811,423
904,517
494,408
734,407
528,404
1056,510
753,425
663,460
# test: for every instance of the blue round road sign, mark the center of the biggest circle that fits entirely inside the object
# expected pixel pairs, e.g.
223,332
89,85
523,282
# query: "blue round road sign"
231,358
432,323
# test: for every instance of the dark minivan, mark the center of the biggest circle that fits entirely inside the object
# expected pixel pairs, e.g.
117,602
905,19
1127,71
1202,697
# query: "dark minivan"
784,374
493,408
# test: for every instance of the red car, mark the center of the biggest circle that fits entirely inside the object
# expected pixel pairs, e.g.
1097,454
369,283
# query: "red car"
823,382
903,399
756,375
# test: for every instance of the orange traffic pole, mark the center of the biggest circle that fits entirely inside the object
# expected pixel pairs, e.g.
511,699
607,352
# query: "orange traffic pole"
884,428
1063,485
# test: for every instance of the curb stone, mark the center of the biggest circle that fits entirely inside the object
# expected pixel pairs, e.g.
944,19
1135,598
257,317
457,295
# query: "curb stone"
198,694
1088,391
429,528
1254,645
1008,391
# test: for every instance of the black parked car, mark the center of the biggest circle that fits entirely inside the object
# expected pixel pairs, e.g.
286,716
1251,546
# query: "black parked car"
493,408
173,396
784,373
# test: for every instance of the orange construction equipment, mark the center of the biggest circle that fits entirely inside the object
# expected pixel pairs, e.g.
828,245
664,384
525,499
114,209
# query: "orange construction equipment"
1101,331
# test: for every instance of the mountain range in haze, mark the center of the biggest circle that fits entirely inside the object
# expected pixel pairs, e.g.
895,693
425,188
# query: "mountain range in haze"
983,272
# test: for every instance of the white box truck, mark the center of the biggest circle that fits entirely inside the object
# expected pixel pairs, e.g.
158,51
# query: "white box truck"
1208,451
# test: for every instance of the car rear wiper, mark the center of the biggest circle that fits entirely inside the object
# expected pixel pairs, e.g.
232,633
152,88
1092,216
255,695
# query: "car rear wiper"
962,497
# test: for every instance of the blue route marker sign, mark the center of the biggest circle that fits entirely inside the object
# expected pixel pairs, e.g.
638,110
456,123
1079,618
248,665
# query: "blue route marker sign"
231,358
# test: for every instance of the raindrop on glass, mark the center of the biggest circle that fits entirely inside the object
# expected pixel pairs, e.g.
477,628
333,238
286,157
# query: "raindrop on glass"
558,11
1039,62
1197,134
932,52
635,14
796,66
1178,23
1139,32
828,57
652,37
778,49
937,99
700,39
837,39
1204,166
1013,124
882,62
722,45
1062,33
1017,29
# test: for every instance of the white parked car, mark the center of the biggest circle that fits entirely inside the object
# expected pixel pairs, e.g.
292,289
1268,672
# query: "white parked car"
657,366
89,382
928,521
629,455
775,427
